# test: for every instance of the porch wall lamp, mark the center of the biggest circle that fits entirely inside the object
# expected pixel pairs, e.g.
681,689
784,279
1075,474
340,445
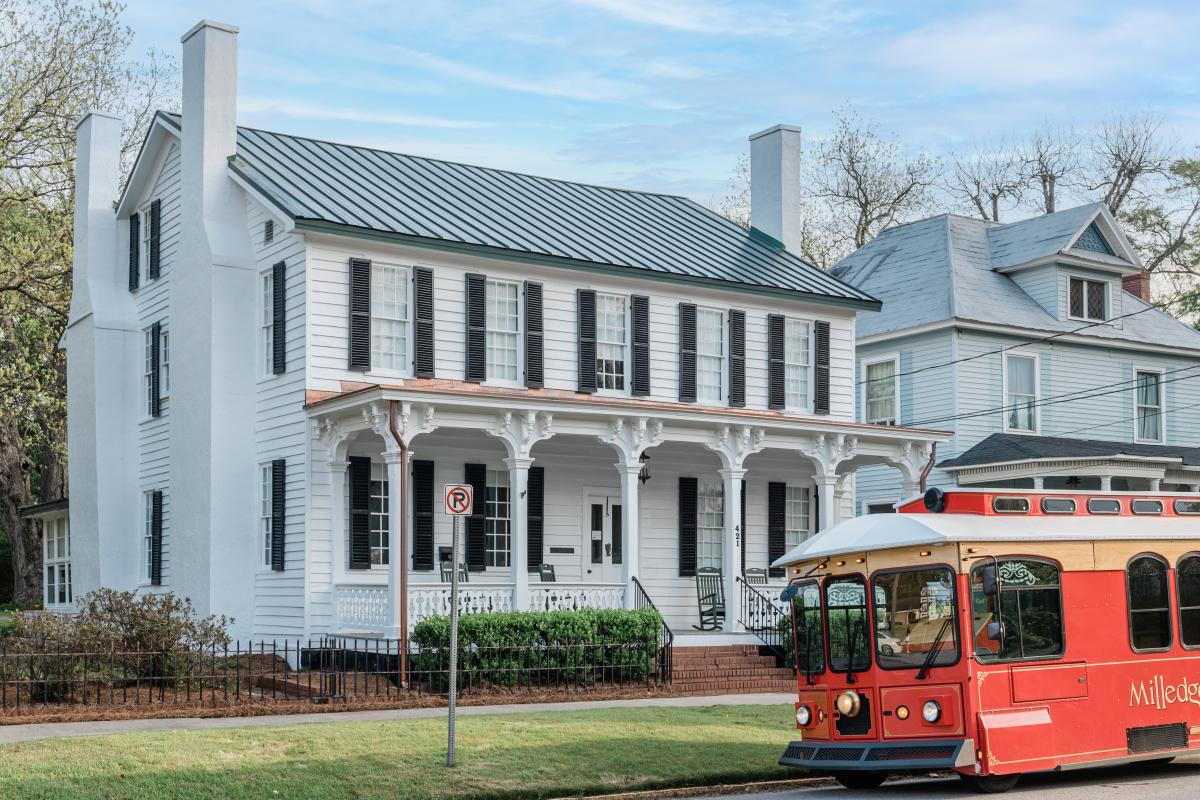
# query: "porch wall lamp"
644,475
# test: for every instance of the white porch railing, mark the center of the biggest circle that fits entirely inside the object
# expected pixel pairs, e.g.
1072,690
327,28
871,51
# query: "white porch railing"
364,608
571,598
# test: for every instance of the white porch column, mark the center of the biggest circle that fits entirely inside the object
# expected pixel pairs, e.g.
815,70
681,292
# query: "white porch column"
630,486
731,554
1106,483
826,501
1155,484
518,515
1039,482
397,468
337,511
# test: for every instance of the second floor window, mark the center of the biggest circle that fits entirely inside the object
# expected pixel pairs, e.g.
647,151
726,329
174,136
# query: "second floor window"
611,337
710,356
1088,300
880,393
796,359
503,331
264,513
144,251
164,366
1149,406
389,317
266,337
1020,399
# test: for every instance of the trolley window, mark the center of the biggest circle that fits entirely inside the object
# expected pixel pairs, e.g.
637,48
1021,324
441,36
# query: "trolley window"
1058,505
1187,578
1029,594
810,634
1103,505
914,618
1149,604
1146,506
846,623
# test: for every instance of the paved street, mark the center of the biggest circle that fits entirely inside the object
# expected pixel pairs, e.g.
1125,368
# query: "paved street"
1175,781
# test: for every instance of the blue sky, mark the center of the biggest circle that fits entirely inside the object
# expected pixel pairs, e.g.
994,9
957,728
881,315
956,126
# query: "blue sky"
661,94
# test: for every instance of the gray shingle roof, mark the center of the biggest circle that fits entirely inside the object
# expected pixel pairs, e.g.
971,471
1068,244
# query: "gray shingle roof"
945,267
427,200
1000,448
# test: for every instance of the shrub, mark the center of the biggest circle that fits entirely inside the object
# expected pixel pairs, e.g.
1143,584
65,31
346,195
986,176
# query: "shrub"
541,647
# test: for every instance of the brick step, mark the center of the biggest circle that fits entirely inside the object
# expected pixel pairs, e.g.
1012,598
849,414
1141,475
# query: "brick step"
698,679
736,669
736,687
720,650
728,658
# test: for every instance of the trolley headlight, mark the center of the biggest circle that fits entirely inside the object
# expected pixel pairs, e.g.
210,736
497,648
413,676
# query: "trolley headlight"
848,703
932,711
803,716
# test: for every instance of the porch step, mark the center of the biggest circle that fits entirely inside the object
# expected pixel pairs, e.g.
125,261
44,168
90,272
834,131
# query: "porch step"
719,662
728,669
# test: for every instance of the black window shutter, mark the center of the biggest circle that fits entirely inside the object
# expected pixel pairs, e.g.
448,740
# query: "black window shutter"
821,378
279,318
586,303
155,369
476,328
737,358
423,350
360,512
422,505
156,503
745,533
153,270
135,250
687,353
476,475
776,395
360,314
687,526
776,524
533,335
536,522
639,308
278,511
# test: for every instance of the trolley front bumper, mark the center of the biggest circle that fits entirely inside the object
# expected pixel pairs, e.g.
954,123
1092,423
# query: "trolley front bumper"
877,756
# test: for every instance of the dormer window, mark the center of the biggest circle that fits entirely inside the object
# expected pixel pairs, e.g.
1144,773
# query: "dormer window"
1088,300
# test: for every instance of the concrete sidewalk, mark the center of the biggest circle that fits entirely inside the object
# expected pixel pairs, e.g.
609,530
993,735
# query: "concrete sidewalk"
49,730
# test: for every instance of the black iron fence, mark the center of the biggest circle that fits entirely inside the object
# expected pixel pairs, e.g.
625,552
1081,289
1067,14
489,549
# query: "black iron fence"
666,639
761,615
322,670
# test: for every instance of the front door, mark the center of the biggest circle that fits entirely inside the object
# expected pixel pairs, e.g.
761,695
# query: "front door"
603,548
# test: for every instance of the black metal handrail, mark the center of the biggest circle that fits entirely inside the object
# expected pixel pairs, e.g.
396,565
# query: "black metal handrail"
666,637
759,615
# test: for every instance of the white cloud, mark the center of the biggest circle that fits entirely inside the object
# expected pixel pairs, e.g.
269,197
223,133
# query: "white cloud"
287,108
726,19
576,86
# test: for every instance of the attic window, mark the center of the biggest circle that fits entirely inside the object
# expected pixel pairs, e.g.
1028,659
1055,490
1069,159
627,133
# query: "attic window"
1092,239
268,231
1088,300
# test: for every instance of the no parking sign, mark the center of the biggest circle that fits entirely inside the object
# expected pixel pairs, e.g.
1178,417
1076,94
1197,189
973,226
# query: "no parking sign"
458,499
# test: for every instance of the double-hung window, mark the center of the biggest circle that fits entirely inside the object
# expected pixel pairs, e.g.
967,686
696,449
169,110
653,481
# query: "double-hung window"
144,252
378,529
266,336
264,513
1149,404
710,356
796,521
611,341
56,555
1088,300
389,317
148,536
1020,392
496,521
797,360
881,399
710,524
503,331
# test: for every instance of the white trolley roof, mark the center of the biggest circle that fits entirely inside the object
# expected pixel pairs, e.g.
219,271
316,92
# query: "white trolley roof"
885,531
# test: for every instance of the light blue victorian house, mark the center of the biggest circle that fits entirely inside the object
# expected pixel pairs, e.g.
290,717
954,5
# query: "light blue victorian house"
1035,344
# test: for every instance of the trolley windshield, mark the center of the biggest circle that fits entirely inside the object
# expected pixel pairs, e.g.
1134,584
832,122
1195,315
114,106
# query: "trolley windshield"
810,632
914,618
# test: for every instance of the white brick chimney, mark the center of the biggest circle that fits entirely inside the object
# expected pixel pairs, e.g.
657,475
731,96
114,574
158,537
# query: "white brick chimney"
775,184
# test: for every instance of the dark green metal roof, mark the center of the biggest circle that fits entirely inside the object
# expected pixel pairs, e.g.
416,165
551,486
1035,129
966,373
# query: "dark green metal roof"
349,189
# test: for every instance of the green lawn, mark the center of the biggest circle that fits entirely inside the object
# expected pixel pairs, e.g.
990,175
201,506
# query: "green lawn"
510,755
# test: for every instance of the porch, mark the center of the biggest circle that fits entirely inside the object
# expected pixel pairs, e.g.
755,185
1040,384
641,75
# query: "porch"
580,504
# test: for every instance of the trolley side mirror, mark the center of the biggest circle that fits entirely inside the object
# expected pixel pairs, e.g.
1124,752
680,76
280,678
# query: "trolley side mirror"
995,631
990,579
789,594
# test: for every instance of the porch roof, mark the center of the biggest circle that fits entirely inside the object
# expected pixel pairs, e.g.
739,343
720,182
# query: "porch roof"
1014,448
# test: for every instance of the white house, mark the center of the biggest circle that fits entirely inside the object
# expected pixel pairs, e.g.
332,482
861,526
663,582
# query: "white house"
280,349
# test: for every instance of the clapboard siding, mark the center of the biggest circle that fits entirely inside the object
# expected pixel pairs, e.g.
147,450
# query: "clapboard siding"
1041,283
280,432
329,314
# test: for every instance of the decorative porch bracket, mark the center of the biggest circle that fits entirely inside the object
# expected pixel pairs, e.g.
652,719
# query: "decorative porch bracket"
733,445
519,433
827,452
631,437
911,461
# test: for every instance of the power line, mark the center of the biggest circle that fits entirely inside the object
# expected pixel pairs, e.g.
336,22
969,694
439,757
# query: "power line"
1159,414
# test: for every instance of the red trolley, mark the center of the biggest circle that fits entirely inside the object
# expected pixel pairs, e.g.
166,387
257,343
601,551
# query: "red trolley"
997,633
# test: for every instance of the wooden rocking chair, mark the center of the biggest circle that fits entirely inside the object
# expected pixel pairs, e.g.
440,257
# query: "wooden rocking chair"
710,597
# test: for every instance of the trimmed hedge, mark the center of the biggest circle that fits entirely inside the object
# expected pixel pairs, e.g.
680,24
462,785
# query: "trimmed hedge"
541,648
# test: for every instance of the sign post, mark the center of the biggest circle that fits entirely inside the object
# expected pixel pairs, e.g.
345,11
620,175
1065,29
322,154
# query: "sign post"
458,505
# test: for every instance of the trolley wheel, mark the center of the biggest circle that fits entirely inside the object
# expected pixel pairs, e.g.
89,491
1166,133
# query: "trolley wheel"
991,784
860,780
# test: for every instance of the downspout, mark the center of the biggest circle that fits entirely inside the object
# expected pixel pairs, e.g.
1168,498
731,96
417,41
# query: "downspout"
928,465
402,546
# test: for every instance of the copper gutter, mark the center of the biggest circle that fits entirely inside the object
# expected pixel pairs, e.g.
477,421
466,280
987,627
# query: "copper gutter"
401,550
